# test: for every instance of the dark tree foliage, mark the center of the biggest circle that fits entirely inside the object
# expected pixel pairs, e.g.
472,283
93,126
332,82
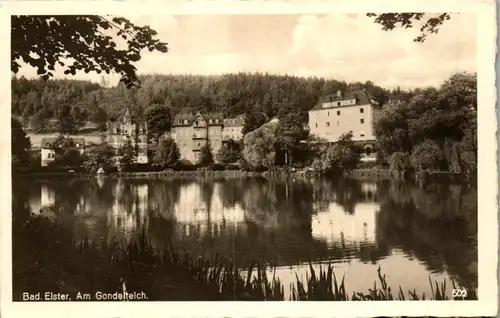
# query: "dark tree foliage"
158,119
254,94
430,23
90,41
253,121
20,144
206,156
99,156
66,152
167,155
127,153
65,119
444,118
291,130
228,154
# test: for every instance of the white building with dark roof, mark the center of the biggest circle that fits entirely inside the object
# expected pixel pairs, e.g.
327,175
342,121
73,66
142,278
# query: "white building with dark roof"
337,114
191,132
233,128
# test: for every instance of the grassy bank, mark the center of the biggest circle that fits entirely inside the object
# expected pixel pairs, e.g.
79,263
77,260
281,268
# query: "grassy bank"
46,257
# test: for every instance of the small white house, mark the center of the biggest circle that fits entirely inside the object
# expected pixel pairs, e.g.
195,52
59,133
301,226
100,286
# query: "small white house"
48,154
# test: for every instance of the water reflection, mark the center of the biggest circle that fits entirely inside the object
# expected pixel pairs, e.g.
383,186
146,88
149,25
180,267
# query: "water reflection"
356,225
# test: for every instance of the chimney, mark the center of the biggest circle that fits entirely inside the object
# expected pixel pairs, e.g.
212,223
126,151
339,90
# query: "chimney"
339,94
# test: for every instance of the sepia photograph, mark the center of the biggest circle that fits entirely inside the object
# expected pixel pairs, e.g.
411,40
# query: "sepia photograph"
292,156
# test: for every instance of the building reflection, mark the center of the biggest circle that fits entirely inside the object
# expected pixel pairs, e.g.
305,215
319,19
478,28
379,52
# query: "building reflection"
47,196
129,212
200,212
335,225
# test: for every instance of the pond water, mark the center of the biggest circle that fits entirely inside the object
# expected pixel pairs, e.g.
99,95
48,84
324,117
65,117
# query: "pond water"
412,232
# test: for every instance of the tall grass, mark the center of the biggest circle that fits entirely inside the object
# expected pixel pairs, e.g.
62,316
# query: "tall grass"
51,260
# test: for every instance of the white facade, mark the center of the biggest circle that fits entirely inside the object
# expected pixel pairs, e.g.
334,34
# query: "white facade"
331,123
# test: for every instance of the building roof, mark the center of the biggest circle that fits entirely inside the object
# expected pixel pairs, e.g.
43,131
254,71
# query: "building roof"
49,141
187,118
238,121
362,98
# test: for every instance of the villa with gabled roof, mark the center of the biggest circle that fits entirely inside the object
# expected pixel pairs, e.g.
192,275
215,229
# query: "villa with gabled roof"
123,130
193,131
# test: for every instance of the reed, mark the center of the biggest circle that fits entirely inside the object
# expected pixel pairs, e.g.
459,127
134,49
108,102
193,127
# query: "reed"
47,257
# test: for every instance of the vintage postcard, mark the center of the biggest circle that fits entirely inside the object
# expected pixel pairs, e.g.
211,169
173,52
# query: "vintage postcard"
249,158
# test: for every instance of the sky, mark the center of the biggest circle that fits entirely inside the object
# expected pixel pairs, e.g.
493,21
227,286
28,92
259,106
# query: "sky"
346,47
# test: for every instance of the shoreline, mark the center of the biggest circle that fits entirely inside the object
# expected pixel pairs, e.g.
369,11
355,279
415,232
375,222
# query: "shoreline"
358,174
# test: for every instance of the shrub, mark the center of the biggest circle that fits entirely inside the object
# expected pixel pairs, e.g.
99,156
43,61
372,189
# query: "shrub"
216,167
399,163
427,156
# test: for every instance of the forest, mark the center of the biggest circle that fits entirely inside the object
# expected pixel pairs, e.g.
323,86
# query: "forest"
73,103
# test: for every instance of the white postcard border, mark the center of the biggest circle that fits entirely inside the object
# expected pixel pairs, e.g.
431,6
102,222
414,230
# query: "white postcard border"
487,158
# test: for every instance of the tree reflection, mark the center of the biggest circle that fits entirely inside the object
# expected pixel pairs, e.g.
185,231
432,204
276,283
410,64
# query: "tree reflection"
437,224
284,222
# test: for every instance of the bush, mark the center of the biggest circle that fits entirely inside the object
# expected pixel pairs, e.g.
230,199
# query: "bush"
427,156
216,167
399,163
183,165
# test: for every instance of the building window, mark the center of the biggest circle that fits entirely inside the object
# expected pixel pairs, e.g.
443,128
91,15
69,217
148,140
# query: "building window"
328,114
362,134
338,103
361,110
338,112
337,122
316,125
362,121
327,124
210,121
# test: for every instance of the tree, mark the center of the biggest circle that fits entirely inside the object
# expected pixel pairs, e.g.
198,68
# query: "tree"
158,119
127,153
99,156
253,121
260,146
206,156
20,144
427,156
66,152
167,155
227,155
446,116
340,157
431,25
290,127
88,40
100,117
66,122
